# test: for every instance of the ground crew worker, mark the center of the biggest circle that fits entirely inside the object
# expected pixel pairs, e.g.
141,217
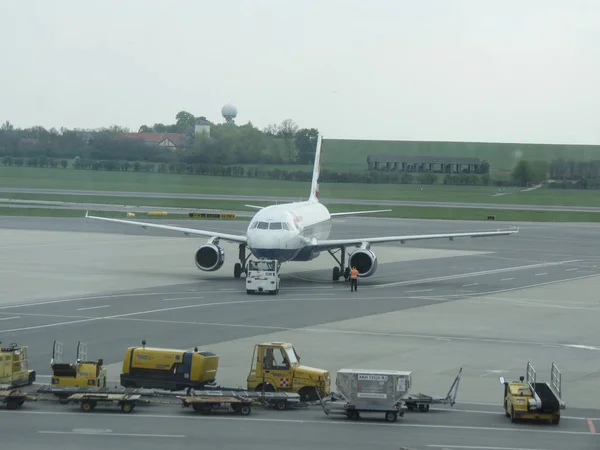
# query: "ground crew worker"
353,279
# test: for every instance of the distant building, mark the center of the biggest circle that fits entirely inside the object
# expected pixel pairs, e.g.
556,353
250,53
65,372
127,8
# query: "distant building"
173,141
202,126
432,164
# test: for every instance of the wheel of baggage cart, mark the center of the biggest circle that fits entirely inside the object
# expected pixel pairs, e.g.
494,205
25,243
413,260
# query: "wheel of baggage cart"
281,405
555,420
127,407
423,408
353,414
391,416
245,410
87,406
13,404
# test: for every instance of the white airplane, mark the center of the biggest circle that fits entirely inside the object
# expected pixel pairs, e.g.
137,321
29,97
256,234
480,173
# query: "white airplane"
297,231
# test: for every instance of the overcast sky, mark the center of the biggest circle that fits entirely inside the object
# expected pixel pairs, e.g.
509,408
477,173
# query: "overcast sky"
474,70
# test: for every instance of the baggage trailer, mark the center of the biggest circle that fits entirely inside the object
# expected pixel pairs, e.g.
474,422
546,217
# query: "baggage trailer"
207,402
12,398
88,402
277,400
369,391
422,402
529,399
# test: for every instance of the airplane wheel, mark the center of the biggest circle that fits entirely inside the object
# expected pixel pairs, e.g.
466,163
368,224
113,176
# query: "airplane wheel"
237,270
336,273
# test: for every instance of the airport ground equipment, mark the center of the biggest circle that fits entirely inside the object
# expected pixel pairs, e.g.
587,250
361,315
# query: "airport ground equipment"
276,367
168,369
83,373
263,276
212,401
422,402
368,391
88,401
12,398
529,399
14,366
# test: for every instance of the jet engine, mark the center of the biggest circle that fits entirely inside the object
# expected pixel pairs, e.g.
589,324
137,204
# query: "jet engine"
209,257
365,262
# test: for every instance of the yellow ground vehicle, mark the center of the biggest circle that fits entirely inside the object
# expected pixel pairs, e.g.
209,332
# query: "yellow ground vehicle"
276,367
169,369
530,400
83,373
14,366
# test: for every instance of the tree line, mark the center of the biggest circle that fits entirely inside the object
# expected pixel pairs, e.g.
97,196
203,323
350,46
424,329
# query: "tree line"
226,144
559,173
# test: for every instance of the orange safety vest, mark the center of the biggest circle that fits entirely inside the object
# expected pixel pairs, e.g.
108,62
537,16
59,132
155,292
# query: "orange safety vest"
354,274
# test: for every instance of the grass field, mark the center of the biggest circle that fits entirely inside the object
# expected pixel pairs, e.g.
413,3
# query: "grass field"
351,155
411,212
168,183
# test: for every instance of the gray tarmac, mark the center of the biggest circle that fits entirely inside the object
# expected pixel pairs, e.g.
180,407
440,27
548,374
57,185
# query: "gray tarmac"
326,201
486,305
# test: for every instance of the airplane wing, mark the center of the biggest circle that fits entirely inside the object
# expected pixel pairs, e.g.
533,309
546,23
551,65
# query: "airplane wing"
355,213
337,243
241,239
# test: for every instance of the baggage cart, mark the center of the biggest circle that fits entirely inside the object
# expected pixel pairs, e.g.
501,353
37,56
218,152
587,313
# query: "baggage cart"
422,402
88,402
368,391
206,403
12,398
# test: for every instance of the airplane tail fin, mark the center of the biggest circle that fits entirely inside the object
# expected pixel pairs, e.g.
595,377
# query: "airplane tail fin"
314,188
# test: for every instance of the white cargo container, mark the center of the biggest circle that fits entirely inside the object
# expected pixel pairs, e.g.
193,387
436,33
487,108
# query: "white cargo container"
381,388
369,391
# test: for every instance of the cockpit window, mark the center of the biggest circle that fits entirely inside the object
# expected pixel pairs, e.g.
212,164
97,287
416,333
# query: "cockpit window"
275,226
263,225
253,226
285,226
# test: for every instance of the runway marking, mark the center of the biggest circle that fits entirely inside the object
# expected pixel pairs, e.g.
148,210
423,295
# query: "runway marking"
92,307
419,290
239,302
94,297
10,318
572,269
475,274
297,421
471,284
87,433
541,274
507,279
181,298
478,447
591,425
517,288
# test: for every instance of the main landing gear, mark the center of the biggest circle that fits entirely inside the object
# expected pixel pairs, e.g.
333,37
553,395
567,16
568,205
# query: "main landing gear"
240,267
341,270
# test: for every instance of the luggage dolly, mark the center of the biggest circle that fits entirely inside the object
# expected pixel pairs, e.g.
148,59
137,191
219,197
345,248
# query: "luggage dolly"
88,402
207,403
336,405
422,402
12,398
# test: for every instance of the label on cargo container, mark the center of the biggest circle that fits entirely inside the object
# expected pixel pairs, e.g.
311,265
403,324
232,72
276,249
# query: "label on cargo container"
373,377
370,395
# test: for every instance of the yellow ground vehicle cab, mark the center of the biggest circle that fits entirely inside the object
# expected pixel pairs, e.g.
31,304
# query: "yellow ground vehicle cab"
169,369
276,368
14,366
83,373
528,399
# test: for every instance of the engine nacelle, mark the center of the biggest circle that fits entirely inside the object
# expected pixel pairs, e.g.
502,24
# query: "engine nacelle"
209,257
365,262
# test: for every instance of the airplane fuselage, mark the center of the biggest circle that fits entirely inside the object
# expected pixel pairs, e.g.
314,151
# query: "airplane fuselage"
288,232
